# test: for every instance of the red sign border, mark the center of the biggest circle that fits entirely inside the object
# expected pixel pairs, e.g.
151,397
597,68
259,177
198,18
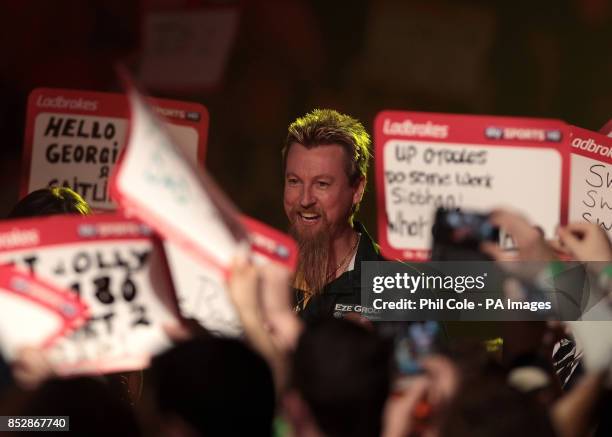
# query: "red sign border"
9,273
110,105
468,129
254,226
596,137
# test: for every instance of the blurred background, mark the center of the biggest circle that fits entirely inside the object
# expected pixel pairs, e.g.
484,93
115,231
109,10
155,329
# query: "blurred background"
257,65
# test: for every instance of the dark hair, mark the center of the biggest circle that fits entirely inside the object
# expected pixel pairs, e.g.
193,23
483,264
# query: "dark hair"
488,407
343,373
326,127
93,408
50,201
218,386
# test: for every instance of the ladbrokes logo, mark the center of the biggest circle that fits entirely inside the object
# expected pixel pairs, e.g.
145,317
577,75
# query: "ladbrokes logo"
591,146
60,102
19,237
410,129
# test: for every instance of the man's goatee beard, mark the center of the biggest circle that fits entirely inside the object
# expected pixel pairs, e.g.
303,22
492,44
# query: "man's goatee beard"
313,260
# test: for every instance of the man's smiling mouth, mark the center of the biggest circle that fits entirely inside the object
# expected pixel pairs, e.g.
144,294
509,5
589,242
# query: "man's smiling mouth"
308,217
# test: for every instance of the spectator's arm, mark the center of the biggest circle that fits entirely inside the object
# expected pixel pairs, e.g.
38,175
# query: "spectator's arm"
248,291
573,414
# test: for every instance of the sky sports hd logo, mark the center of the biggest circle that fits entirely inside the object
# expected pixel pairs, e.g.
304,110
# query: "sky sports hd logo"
178,113
523,134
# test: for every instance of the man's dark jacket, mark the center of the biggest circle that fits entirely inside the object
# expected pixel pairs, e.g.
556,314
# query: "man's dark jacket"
343,294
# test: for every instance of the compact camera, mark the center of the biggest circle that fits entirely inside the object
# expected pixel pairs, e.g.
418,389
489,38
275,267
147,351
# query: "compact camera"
458,234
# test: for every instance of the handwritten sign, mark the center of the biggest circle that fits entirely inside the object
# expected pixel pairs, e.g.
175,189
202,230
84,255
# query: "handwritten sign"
590,196
186,46
112,265
427,160
34,313
74,138
202,289
155,181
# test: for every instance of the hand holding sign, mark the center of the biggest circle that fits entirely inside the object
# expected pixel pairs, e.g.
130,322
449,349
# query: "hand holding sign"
202,290
273,341
528,239
586,242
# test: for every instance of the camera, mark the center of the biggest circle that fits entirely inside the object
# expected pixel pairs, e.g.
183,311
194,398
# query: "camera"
458,234
466,228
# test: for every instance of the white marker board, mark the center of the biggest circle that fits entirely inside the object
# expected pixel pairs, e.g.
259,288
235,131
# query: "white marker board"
34,313
158,183
202,289
73,139
590,197
113,266
426,160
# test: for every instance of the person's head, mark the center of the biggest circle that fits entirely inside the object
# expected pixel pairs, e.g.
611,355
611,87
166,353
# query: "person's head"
213,386
488,407
340,380
325,163
50,201
93,408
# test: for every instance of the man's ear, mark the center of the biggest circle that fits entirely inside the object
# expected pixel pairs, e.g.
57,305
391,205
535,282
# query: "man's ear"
359,190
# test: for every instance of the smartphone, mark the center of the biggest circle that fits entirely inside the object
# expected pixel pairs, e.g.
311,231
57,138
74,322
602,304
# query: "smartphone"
461,227
411,342
457,235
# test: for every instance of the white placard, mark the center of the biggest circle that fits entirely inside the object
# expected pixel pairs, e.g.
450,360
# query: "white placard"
83,157
73,139
590,196
188,49
202,292
42,323
202,289
123,282
528,179
425,161
157,182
